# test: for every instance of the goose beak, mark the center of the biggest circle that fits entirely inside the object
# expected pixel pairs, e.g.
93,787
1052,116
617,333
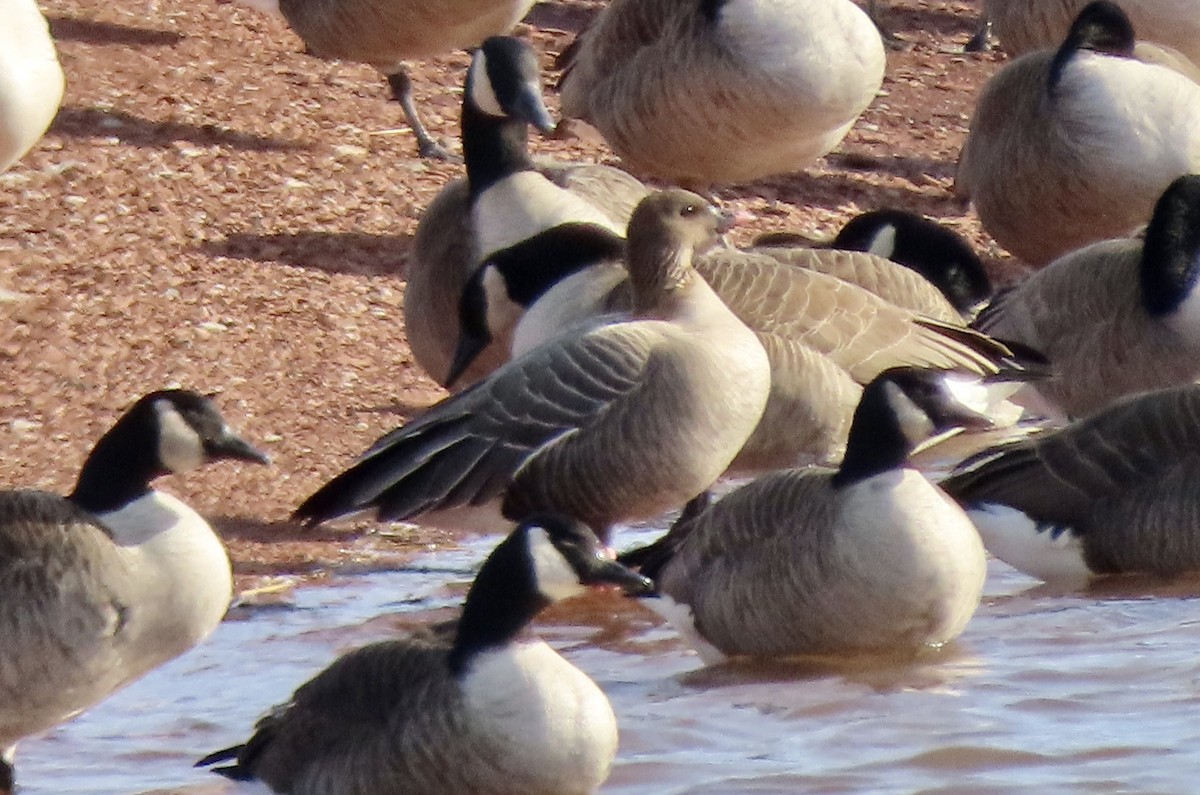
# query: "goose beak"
532,108
468,350
603,570
235,447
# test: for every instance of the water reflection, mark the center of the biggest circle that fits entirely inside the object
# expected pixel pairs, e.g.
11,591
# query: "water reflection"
1092,691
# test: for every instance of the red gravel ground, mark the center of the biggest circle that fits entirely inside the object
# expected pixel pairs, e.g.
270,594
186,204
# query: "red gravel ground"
214,209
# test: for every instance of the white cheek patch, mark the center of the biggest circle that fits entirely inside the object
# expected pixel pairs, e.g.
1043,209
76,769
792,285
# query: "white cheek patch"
969,391
482,93
503,313
179,446
884,242
555,577
914,423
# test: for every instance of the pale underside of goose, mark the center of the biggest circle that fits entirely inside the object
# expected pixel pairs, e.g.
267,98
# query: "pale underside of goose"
1084,313
1049,173
767,89
790,565
1111,493
383,34
1026,25
31,79
445,253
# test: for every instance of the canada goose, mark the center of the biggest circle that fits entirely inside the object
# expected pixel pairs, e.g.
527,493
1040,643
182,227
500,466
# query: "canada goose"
507,200
1115,317
484,713
939,254
1072,146
114,579
823,336
1025,25
723,90
868,558
1114,492
31,79
385,33
605,424
936,252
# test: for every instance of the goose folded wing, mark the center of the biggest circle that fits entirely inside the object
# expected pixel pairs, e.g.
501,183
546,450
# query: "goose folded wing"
466,449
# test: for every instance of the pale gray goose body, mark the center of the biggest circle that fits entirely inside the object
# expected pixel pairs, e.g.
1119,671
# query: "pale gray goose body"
115,579
506,201
1113,492
1072,146
869,558
606,424
1115,317
385,33
723,90
489,712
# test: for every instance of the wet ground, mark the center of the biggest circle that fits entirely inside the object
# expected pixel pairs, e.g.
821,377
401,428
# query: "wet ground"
1045,691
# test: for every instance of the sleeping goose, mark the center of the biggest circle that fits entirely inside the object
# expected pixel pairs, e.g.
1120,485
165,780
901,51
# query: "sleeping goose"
605,424
937,253
485,713
1072,146
31,79
868,558
1026,25
114,579
1114,492
385,33
824,337
708,91
1116,317
508,207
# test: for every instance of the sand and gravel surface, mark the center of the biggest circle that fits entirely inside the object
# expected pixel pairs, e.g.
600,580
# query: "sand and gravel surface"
215,209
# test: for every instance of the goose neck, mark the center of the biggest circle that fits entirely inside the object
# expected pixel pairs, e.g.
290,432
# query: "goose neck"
494,147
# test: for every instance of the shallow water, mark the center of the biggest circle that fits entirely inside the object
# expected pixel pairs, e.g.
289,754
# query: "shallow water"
1084,693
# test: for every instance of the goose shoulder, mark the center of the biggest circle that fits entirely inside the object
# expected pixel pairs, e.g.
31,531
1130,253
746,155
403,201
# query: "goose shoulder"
78,593
889,280
31,79
1106,494
712,92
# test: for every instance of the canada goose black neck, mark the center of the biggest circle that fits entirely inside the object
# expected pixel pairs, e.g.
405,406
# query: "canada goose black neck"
1100,27
493,146
711,9
503,599
122,464
1171,252
876,442
501,98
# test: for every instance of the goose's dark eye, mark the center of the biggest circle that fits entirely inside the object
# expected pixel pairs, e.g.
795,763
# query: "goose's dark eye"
689,209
